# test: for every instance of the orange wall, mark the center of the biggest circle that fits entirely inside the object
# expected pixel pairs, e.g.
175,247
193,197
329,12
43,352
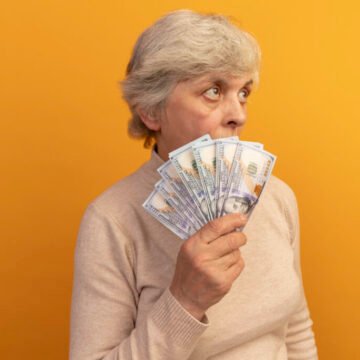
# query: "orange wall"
63,140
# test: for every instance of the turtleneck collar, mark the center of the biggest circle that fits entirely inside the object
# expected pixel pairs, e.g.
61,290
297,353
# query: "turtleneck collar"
151,166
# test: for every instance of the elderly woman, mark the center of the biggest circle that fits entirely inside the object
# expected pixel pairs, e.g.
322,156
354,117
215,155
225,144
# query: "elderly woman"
139,291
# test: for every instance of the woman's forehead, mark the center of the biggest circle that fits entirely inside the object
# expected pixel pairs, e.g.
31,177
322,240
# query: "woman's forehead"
222,79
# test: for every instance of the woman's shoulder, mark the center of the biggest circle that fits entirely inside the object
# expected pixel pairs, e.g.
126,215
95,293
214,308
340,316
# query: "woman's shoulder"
278,206
278,191
125,197
278,187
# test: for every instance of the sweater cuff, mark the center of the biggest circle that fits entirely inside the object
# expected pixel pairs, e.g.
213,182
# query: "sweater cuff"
171,318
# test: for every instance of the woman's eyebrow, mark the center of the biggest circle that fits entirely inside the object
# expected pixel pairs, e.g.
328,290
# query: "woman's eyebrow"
220,81
223,82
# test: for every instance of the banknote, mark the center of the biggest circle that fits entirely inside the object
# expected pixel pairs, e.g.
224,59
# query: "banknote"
225,151
258,165
185,165
205,157
157,206
250,171
250,143
170,196
254,144
168,172
206,179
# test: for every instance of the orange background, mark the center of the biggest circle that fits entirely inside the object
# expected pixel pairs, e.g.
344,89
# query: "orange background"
63,141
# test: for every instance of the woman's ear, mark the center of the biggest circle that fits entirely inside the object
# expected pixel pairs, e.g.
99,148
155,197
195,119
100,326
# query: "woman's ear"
150,121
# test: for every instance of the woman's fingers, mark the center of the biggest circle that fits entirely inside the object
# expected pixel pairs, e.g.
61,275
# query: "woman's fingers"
235,270
227,244
221,226
208,263
228,260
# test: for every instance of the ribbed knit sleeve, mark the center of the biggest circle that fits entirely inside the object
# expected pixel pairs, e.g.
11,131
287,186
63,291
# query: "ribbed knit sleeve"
104,302
300,341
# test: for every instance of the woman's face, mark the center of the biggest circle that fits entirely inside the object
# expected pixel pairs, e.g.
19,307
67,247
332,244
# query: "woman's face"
213,104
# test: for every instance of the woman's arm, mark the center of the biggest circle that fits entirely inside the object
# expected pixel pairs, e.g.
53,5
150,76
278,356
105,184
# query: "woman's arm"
300,339
104,302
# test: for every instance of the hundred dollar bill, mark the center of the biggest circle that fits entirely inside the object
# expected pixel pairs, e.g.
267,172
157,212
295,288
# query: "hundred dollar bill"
185,165
250,171
254,144
225,151
233,138
161,210
205,157
249,143
164,188
168,172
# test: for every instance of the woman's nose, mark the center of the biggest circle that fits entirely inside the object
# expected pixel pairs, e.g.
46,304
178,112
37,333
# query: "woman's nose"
234,112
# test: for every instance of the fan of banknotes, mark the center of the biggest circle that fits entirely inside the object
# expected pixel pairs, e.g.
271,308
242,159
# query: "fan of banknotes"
206,179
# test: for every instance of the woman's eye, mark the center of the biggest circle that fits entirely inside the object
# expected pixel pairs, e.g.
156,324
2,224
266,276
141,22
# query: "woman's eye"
243,95
212,93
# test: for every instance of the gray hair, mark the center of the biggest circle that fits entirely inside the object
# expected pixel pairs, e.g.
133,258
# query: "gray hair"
182,45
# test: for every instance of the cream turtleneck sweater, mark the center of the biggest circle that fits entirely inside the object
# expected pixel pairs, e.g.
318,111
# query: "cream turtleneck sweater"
122,308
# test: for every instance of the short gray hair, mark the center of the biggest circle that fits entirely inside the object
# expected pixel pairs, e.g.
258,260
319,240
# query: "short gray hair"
181,45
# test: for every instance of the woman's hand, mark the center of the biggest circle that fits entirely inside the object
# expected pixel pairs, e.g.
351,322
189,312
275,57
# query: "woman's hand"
208,263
